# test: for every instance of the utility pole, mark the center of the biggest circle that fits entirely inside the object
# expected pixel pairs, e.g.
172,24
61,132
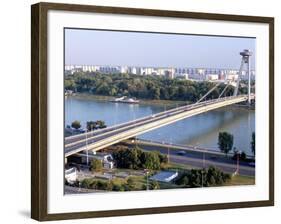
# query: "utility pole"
237,165
168,154
87,152
146,172
202,174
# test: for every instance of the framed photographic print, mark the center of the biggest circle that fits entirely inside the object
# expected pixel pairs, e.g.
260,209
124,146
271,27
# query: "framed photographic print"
140,111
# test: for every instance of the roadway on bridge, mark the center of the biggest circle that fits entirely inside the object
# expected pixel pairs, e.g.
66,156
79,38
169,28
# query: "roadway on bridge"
74,144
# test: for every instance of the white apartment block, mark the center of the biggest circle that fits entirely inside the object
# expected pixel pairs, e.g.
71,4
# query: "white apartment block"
199,74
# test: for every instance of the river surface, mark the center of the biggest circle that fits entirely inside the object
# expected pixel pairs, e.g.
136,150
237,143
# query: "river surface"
200,130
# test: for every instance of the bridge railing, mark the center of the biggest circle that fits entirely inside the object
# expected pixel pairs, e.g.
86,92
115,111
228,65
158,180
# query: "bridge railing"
168,113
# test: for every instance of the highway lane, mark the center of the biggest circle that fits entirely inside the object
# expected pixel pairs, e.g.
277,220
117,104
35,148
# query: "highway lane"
81,142
200,159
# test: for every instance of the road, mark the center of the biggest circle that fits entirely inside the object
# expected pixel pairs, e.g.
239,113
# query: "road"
198,158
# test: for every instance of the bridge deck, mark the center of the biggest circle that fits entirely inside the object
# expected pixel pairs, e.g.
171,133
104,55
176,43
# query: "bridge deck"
97,140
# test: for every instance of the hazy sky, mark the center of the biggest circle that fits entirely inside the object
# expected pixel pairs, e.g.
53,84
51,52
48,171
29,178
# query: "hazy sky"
93,47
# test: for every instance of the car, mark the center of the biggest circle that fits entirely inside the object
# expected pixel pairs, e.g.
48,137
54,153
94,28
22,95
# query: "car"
253,164
181,153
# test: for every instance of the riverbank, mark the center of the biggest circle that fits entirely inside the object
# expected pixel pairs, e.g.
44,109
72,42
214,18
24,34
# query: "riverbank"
169,103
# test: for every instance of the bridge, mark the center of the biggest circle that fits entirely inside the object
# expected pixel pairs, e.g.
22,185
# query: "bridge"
97,140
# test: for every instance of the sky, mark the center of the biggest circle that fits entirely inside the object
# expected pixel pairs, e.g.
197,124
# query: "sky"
98,47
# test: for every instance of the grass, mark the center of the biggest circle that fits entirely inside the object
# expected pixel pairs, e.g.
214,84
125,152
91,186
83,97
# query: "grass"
179,167
240,180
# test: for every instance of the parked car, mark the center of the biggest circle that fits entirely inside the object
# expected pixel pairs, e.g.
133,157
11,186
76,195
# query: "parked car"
253,164
181,153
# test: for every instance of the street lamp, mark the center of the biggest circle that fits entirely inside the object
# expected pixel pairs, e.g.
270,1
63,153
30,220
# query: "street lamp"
203,167
87,153
79,189
146,172
237,165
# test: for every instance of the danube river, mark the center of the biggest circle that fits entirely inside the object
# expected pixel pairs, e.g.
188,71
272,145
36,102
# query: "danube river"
200,130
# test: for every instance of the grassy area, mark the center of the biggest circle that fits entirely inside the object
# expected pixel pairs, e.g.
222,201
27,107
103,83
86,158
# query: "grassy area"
240,180
179,167
88,96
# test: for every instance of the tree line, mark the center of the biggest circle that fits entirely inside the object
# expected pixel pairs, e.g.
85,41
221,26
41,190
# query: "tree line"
90,125
143,87
138,159
129,184
225,143
203,177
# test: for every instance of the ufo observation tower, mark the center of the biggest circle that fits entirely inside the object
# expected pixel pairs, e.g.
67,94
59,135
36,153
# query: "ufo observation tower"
245,62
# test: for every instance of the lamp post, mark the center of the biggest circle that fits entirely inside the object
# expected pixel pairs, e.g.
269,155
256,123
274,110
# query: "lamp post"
237,165
87,153
79,189
146,172
202,173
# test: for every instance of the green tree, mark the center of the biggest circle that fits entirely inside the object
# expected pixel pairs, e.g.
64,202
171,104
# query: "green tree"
76,124
117,187
91,125
131,183
134,158
154,185
225,142
96,165
211,177
152,161
100,124
253,143
146,87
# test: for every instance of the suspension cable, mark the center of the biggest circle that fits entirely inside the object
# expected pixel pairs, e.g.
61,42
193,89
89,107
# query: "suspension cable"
224,90
211,90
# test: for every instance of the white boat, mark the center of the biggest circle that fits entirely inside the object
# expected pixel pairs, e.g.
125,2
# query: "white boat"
124,99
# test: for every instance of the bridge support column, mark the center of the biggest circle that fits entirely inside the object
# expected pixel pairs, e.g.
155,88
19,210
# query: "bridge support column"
249,82
246,60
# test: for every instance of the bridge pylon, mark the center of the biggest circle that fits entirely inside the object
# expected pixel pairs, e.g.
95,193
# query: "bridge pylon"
244,62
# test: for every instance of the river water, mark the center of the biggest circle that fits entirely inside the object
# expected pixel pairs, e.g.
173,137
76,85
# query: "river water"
200,130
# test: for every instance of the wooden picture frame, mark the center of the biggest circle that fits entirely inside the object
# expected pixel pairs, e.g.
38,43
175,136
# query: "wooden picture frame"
39,110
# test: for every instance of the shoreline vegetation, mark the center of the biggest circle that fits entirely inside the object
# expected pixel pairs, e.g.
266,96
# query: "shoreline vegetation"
151,90
147,87
168,103
89,96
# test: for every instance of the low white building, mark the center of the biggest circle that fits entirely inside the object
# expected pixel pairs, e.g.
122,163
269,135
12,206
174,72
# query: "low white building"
70,175
105,158
164,176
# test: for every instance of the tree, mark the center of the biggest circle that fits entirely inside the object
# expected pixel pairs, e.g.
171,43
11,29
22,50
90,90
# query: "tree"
131,183
134,158
152,161
137,159
100,124
76,124
96,165
242,155
154,185
91,125
211,177
146,87
253,143
225,142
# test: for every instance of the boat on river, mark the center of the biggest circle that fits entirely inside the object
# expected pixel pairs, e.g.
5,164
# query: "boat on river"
125,99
